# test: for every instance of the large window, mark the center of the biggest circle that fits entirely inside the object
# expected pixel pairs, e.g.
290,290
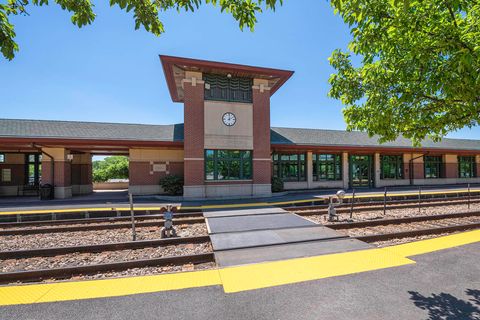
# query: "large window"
467,167
220,87
33,169
327,167
392,167
433,167
228,165
289,166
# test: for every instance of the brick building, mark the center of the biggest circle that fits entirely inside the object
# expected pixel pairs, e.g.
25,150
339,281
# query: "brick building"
225,147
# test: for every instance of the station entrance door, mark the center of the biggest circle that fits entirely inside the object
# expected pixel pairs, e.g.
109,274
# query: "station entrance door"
361,171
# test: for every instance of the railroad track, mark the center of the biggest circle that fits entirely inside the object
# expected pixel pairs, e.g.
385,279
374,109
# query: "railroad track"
409,227
379,205
26,257
107,225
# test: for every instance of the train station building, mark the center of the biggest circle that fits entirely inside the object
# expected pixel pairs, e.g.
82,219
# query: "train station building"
225,147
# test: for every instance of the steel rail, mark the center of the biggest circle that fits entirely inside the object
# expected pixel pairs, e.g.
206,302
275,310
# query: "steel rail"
95,220
361,203
67,272
376,207
95,227
416,233
94,248
384,222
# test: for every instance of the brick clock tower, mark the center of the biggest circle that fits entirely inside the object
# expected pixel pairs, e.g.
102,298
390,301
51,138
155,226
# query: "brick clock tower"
226,125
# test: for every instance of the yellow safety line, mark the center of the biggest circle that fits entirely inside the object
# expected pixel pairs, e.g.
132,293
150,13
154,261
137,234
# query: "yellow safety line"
76,290
225,206
240,278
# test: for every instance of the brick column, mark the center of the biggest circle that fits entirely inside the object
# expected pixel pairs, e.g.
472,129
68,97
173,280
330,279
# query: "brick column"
81,168
451,165
62,172
309,169
194,140
345,170
377,169
262,172
477,163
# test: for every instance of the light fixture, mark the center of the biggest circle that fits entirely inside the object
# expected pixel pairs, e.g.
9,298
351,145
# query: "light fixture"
229,75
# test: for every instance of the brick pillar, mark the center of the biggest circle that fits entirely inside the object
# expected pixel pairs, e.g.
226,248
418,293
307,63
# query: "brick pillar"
345,170
62,171
81,168
377,169
451,165
309,169
262,172
194,140
418,167
477,162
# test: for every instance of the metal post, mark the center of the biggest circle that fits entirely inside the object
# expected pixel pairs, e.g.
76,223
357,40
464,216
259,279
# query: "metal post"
351,205
419,199
468,198
134,234
385,202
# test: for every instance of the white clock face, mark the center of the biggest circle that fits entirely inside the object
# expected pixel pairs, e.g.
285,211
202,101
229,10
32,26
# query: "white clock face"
229,119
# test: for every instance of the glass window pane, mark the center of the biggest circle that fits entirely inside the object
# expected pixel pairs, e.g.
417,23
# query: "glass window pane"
209,170
209,154
2,157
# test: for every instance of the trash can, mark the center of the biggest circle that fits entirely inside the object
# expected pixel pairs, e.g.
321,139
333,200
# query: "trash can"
46,192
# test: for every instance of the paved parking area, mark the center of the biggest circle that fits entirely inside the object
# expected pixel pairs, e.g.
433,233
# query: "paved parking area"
441,285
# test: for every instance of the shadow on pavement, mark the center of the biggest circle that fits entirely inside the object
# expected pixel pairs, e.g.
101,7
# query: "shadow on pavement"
444,306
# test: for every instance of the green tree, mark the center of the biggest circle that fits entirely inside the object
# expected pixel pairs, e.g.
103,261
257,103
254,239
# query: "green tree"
145,13
115,167
419,69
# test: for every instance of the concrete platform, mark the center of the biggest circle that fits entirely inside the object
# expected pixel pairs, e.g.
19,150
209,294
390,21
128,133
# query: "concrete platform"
242,212
256,222
229,241
287,251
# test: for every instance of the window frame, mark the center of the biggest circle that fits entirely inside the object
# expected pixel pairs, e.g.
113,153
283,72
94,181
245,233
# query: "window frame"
279,163
437,164
336,163
216,158
473,166
397,163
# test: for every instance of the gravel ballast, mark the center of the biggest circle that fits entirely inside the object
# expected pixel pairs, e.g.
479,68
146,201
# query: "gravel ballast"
65,239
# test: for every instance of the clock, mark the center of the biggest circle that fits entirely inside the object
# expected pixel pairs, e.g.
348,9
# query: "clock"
229,119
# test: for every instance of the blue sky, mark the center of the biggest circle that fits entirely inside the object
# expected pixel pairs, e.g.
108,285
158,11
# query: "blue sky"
109,72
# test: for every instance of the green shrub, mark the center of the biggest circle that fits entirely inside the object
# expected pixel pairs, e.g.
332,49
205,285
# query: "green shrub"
277,184
172,184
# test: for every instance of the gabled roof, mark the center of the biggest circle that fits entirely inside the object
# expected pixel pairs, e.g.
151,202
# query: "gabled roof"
16,128
340,138
101,131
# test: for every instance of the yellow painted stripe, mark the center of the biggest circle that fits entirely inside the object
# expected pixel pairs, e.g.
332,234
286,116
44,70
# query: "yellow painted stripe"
435,244
240,205
63,291
263,275
240,278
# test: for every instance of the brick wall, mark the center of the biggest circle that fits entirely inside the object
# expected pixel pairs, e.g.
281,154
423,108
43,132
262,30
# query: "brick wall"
194,133
141,172
17,174
261,137
81,174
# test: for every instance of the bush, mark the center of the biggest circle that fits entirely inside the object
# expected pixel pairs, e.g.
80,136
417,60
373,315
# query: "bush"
115,167
277,184
172,184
